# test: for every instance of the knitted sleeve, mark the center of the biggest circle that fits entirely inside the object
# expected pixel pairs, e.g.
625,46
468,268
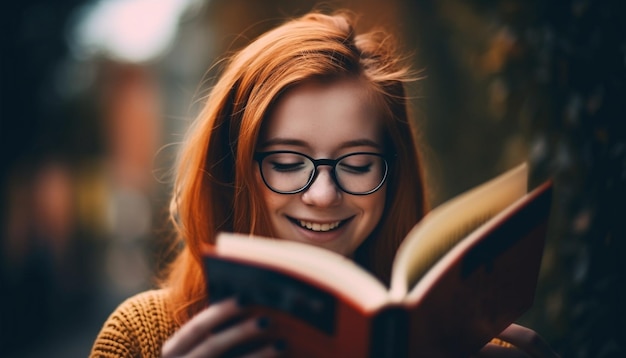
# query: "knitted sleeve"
137,328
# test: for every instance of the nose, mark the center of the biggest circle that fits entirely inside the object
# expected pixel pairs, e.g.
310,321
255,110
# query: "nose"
323,192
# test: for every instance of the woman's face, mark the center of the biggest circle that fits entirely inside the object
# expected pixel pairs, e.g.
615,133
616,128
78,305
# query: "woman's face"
323,120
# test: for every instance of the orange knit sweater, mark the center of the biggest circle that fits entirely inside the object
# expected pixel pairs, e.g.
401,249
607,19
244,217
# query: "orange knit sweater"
137,328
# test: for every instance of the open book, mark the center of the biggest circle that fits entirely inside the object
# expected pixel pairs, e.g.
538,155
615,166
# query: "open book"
465,272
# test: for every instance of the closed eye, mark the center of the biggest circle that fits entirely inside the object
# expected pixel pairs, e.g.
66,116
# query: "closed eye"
360,169
287,167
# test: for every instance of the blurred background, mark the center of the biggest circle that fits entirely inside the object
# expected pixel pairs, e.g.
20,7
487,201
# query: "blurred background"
96,94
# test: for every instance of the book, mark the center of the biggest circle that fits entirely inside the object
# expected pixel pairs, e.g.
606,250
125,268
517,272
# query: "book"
465,272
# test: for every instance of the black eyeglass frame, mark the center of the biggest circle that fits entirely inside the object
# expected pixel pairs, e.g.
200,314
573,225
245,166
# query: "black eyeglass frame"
260,156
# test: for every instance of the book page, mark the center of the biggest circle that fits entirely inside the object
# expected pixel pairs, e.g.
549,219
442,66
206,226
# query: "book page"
484,283
320,267
442,228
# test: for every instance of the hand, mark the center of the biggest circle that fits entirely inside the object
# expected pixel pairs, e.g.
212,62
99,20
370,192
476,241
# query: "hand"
524,343
219,329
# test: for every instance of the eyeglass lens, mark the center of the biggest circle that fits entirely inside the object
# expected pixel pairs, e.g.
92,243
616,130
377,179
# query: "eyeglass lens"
356,173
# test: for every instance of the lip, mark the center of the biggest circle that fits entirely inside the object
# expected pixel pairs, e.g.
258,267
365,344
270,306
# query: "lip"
320,236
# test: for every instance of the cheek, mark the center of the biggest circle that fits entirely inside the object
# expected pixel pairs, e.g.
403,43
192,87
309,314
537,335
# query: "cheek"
373,207
378,203
273,201
266,194
377,208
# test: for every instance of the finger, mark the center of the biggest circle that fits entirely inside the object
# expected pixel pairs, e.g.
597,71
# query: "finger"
497,351
268,351
235,336
199,327
491,350
527,340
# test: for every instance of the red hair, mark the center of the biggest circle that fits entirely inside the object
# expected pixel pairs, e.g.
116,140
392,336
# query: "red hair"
216,189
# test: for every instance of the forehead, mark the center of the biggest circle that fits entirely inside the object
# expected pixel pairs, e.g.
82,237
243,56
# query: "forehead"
324,115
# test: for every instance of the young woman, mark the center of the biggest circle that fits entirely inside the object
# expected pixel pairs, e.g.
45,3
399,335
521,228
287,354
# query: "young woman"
305,137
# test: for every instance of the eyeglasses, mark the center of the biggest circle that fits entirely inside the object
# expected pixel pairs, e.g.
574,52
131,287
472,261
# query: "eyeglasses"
287,172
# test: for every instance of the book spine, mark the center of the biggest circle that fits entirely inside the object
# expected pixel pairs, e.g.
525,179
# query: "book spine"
390,333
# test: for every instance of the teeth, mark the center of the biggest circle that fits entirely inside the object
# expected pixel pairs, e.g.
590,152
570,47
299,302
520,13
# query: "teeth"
319,227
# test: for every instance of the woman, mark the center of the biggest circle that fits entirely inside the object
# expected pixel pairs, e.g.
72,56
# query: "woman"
305,137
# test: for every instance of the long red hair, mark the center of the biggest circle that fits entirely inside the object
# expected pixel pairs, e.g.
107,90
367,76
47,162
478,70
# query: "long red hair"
216,188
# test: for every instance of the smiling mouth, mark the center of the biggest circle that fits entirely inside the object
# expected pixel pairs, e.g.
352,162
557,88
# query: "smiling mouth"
318,227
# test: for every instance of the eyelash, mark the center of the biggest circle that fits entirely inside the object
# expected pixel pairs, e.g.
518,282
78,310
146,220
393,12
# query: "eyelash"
358,169
286,167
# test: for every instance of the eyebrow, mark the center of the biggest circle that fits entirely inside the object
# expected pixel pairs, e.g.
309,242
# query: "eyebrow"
363,142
